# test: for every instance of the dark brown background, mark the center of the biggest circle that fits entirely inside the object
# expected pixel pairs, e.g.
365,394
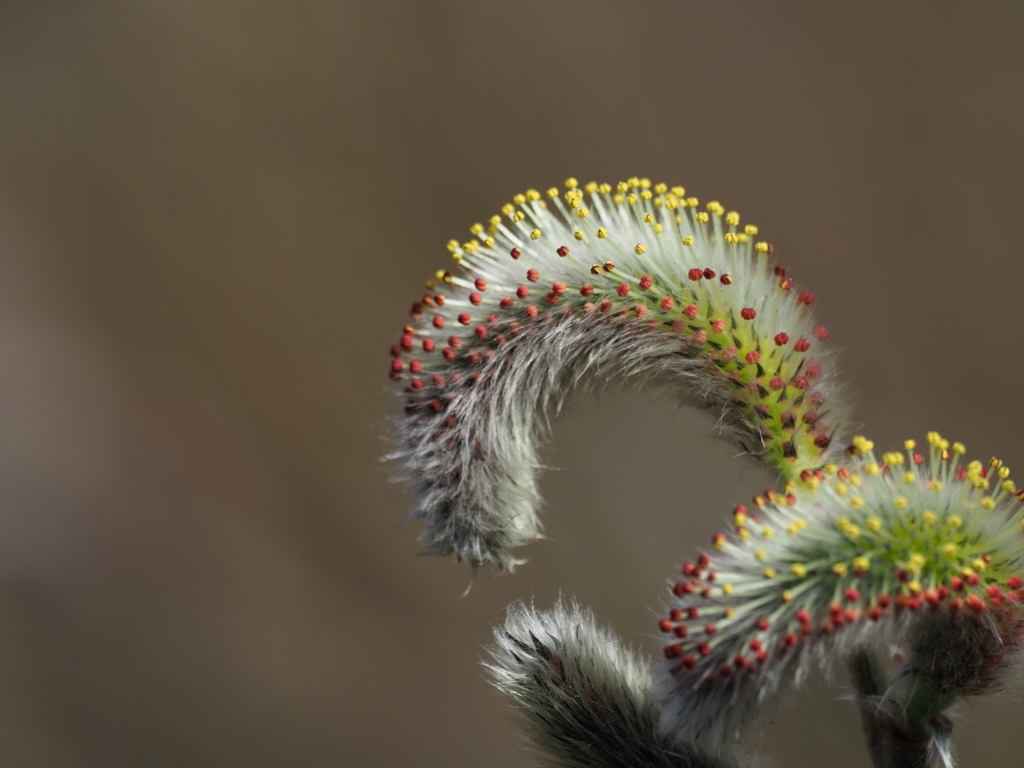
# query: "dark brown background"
213,217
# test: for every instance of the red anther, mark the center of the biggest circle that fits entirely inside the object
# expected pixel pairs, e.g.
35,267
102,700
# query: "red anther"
709,273
827,627
438,321
515,253
724,669
476,299
820,333
901,575
439,300
762,624
1015,582
803,616
640,310
667,303
1018,494
415,366
645,282
739,509
562,250
480,331
711,575
789,640
718,539
973,580
700,337
851,595
955,604
805,298
835,609
710,628
416,384
689,662
480,284
559,288
703,649
874,613
740,662
884,601
692,612
608,266
623,289
473,357
755,645
806,475
428,345
605,305
448,353
810,417
780,271
813,370
695,274
681,631
586,290
532,275
726,280
449,421
790,499
993,590
943,592
917,457
665,625
729,353
785,284
975,603
438,380
932,596
407,341
689,569
397,366
691,311
396,350
673,651
956,583
913,603
752,356
850,614
681,589
718,325
506,303
704,560
522,291
781,339
676,614
802,345
454,342
801,382
748,313
435,406
530,311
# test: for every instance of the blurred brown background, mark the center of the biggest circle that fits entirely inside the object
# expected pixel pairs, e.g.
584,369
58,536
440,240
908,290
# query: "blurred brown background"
213,218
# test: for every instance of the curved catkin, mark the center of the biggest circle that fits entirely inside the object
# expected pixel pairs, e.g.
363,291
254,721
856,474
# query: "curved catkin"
915,549
632,282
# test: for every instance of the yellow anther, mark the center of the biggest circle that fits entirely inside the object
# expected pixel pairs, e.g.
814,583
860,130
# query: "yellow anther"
701,217
715,207
571,182
1009,486
892,458
1004,472
476,229
553,192
988,503
861,564
618,199
741,238
856,502
787,596
852,531
862,444
979,564
583,213
671,203
761,247
489,242
959,448
518,216
519,199
648,218
842,522
760,554
439,275
727,589
793,528
933,438
687,240
900,502
767,533
602,232
968,572
935,485
678,191
739,518
604,189
950,549
622,187
719,542
910,444
750,229
929,517
661,189
453,245
839,569
743,533
631,198
730,238
830,469
658,229
640,249
457,258
874,524
644,183
729,612
578,235
916,562
871,469
591,187
646,195
908,477
692,202
995,463
799,570
507,209
532,195
914,587
732,218
954,521
535,234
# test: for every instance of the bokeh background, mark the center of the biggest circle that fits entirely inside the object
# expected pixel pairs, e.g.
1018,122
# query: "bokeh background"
213,218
